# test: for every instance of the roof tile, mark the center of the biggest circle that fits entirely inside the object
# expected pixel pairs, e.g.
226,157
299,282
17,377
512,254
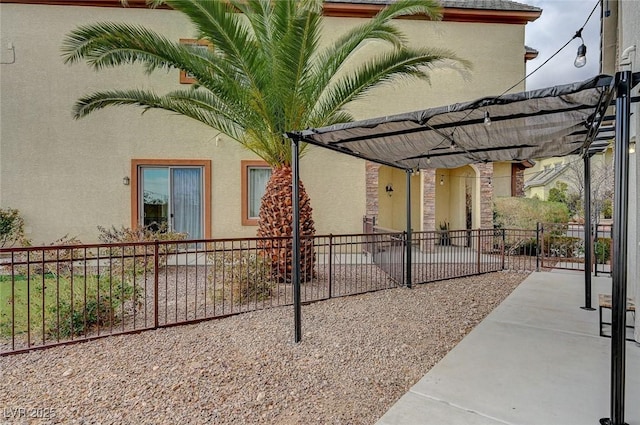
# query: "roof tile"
461,4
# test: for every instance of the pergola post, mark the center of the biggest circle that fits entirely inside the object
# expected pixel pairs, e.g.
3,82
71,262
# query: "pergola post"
623,84
295,234
408,242
587,232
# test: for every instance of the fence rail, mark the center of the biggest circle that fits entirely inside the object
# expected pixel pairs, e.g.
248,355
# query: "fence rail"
562,246
62,294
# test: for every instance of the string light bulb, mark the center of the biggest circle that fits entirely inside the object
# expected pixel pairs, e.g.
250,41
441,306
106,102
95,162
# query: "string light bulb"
487,119
428,160
581,57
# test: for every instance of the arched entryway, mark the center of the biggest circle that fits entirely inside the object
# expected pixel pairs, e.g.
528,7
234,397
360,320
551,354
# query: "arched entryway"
457,198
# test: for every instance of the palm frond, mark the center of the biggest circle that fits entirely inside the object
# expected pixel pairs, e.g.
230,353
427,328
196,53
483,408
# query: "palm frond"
265,72
333,58
179,102
383,69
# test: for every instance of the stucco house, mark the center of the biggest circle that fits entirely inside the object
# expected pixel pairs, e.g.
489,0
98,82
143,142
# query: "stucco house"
547,172
118,168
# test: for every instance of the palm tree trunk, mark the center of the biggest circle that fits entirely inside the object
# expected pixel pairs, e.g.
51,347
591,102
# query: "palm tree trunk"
275,224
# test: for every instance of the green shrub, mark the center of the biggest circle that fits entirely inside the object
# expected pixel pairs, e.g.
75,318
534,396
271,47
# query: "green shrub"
602,250
558,193
150,233
103,311
607,208
240,275
562,246
54,261
524,213
107,303
11,228
134,260
521,247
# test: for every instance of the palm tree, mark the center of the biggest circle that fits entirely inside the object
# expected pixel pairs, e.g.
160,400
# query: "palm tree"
264,74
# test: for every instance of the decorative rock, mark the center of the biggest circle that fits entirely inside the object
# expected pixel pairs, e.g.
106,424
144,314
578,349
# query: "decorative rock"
373,348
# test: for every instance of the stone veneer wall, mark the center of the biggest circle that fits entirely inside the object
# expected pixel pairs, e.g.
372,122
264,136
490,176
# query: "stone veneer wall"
373,206
428,204
520,183
486,203
486,195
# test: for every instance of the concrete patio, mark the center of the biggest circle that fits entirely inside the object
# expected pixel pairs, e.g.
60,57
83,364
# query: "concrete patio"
536,359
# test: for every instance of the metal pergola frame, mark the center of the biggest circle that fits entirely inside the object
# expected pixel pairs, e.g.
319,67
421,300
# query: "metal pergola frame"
578,142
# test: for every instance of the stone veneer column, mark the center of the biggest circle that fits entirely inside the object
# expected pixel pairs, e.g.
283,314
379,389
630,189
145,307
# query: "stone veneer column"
429,207
486,203
373,206
486,195
520,183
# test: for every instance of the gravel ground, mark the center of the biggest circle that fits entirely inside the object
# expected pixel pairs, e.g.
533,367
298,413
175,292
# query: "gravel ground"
358,356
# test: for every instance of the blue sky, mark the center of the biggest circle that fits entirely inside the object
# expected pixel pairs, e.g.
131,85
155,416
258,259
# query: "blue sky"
559,22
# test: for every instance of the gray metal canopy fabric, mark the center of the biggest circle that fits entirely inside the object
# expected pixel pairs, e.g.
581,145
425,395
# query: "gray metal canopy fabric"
554,121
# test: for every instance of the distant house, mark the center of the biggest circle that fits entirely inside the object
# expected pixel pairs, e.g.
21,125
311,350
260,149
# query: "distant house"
116,167
546,173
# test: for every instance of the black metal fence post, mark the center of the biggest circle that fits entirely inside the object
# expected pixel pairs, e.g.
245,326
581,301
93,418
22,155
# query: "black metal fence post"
295,182
594,229
538,228
587,233
331,265
504,242
479,248
156,285
408,233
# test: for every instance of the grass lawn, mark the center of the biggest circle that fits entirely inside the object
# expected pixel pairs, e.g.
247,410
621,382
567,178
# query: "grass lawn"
96,300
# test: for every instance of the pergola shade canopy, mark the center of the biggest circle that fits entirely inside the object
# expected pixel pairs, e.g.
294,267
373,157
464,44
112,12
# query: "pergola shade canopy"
555,121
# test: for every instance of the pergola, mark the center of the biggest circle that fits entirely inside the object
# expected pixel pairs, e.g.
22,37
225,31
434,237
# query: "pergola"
555,121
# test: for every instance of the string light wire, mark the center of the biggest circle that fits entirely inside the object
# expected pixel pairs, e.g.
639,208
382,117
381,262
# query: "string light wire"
578,34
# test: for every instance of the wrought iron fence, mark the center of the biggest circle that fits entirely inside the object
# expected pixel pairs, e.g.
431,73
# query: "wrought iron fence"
61,294
562,246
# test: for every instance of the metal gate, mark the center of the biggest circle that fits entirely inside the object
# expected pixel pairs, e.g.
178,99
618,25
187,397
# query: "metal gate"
386,248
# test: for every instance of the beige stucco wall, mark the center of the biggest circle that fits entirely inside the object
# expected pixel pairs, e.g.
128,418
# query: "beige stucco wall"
66,176
501,180
393,213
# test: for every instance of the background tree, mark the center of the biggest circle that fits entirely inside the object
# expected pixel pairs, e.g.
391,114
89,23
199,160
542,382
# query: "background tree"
263,75
558,193
601,185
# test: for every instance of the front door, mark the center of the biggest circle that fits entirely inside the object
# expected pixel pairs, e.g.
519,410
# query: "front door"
172,197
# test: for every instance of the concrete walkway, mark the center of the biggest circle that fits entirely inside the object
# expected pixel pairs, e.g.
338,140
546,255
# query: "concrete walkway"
536,359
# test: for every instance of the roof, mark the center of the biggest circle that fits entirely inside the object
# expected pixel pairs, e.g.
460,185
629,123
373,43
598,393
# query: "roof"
479,11
546,175
555,121
530,53
460,4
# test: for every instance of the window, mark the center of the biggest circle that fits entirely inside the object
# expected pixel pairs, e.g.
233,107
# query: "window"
175,193
255,175
185,77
